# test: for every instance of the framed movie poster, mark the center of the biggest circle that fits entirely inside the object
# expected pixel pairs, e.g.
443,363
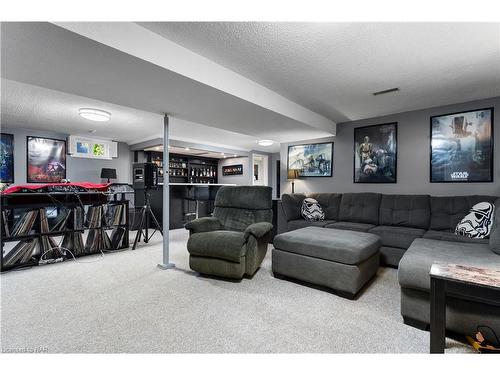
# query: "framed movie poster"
7,158
46,159
376,153
312,160
462,147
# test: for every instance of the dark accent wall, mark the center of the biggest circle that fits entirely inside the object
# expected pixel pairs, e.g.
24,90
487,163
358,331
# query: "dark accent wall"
77,169
413,156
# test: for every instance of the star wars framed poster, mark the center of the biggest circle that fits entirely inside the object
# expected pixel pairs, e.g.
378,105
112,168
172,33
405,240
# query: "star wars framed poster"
7,158
375,153
46,159
311,160
461,148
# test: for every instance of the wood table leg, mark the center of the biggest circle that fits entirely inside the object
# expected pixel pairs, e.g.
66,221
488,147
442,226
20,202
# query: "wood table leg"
438,316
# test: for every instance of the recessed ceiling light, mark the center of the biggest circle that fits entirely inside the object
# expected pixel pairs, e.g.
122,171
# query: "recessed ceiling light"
93,114
265,142
187,149
235,155
157,147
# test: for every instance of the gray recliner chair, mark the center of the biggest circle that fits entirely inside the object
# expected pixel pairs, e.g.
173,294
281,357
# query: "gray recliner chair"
233,242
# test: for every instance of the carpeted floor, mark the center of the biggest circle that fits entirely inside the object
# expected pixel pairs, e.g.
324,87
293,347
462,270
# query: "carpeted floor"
124,303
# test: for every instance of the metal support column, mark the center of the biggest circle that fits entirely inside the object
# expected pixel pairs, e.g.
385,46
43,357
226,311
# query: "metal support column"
166,199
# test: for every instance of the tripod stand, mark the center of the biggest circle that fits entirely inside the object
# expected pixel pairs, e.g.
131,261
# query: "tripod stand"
146,215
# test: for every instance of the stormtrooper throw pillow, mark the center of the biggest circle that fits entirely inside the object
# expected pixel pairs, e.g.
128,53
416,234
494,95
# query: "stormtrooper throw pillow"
478,222
312,211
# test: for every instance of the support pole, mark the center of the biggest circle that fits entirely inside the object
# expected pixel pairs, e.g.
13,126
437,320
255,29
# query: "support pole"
166,199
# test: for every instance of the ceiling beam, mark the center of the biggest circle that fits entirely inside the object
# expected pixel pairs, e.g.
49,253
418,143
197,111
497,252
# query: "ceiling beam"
142,43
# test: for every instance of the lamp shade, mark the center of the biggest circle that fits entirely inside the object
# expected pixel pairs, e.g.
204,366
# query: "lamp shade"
109,173
293,174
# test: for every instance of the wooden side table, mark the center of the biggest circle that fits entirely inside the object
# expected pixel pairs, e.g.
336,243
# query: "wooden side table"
464,282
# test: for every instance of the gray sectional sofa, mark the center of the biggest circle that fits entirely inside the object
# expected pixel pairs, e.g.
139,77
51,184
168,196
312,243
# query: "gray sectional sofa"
415,232
397,219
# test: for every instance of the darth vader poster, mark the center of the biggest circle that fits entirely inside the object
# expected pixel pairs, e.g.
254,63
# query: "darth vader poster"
375,153
462,147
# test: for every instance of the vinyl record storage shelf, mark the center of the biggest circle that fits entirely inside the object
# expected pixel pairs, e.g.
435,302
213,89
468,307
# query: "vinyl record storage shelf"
15,206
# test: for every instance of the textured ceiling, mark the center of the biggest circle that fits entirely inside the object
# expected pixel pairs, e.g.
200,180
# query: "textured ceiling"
332,68
28,106
44,55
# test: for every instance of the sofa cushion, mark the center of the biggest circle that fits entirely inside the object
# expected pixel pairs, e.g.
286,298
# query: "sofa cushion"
360,207
301,223
292,203
237,219
246,197
495,231
405,211
330,202
346,225
220,244
416,264
401,237
341,246
446,212
451,236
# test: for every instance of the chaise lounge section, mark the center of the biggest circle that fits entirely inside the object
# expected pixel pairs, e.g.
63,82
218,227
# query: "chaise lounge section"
415,231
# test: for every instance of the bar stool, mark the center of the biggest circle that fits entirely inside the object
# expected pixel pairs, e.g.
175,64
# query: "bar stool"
198,194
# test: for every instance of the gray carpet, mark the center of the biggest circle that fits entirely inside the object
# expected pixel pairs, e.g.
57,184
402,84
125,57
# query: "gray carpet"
124,303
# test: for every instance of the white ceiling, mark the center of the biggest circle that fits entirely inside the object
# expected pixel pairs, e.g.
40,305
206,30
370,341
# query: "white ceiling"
34,107
332,68
48,56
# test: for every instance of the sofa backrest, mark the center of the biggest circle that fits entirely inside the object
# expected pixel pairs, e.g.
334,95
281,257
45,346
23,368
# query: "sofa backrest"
405,210
360,207
446,212
239,206
329,202
292,203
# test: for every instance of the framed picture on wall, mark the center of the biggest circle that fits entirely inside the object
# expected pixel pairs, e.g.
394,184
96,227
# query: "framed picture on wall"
461,147
376,153
311,160
7,158
46,159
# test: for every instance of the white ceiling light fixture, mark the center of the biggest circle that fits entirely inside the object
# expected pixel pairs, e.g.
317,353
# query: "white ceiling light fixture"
265,142
93,114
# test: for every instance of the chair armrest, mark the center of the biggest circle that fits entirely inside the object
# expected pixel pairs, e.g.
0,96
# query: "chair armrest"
203,224
258,230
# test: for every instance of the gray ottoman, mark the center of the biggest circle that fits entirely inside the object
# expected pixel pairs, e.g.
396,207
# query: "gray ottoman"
342,260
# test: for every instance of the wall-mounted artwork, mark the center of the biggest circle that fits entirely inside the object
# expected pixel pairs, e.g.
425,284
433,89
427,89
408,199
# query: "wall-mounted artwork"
6,158
312,160
232,170
462,147
376,153
81,147
46,159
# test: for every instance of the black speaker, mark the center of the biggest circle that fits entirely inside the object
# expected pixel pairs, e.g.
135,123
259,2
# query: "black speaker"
145,175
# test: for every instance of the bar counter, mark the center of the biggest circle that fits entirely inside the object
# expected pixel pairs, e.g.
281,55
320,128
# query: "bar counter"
187,201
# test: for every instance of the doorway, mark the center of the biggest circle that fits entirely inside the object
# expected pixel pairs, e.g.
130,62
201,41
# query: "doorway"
260,170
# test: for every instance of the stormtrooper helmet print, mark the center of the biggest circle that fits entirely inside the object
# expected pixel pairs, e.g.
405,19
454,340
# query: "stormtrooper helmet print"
478,222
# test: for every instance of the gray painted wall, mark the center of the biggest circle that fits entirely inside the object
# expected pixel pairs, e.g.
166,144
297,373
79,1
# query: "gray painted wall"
413,157
244,179
77,169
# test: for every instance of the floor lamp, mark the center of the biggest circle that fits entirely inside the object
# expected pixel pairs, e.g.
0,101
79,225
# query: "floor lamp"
293,174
